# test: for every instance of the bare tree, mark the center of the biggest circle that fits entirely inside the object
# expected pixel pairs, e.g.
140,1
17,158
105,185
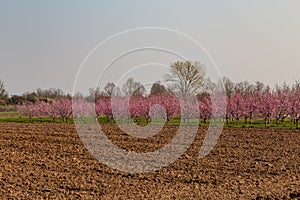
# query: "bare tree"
51,93
128,86
186,77
110,89
134,88
242,87
3,93
259,86
228,86
209,85
78,95
94,94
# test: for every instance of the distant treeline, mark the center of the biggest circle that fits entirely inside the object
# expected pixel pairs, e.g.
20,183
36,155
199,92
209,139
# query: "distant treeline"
130,88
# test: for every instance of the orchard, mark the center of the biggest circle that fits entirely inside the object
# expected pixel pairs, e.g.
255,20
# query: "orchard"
264,106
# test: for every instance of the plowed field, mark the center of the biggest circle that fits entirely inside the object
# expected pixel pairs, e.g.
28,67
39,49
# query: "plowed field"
50,161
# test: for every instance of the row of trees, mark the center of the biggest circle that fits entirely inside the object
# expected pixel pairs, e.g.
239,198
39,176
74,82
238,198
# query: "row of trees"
278,104
186,78
130,87
265,104
57,108
127,107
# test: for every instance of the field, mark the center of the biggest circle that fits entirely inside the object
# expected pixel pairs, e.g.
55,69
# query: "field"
47,160
5,115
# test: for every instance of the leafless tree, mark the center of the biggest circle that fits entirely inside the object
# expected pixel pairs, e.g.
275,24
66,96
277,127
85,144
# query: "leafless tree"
259,86
228,86
94,94
134,88
2,89
111,89
51,93
3,93
186,77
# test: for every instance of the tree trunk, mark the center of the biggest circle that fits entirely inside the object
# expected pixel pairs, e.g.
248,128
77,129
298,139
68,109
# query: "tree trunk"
266,119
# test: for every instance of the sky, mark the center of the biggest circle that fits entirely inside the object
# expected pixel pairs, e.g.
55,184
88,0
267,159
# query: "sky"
43,43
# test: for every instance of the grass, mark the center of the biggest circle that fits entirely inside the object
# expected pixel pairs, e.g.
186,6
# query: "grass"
259,123
176,121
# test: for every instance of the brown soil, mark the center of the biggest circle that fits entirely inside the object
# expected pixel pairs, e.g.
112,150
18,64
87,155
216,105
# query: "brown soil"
49,161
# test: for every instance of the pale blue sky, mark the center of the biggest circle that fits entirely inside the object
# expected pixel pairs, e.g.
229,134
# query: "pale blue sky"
42,44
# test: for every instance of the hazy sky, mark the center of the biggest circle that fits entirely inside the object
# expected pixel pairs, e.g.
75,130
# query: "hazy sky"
42,44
